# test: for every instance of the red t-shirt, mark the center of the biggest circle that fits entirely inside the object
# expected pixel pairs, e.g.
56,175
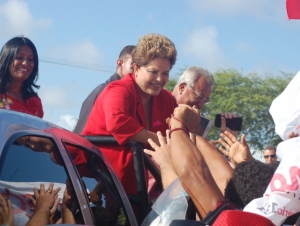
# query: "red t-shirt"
31,106
118,111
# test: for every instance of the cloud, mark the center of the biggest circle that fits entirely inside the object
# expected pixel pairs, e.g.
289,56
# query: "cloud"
82,51
56,97
67,121
243,47
202,44
16,19
267,9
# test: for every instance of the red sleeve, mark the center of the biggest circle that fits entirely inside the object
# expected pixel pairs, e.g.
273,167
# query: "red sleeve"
120,116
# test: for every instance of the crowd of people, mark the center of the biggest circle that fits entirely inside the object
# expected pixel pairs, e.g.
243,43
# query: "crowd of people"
132,105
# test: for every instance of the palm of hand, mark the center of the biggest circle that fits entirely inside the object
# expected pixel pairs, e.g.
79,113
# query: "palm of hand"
238,152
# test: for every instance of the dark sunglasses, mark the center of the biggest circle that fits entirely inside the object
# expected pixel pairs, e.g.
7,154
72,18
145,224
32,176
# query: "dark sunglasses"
267,156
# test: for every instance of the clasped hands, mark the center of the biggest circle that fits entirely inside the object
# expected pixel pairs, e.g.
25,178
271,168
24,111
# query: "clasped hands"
183,116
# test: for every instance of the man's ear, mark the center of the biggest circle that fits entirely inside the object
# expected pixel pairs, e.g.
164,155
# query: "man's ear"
182,87
120,63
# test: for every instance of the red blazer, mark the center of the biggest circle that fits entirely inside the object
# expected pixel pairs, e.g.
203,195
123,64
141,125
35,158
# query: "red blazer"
118,111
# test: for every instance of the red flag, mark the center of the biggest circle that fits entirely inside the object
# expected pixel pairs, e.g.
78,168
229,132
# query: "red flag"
293,9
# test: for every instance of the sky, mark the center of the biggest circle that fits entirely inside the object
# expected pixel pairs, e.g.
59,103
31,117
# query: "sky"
249,36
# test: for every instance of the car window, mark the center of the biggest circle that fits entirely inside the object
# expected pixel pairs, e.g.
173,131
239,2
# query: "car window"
25,163
105,200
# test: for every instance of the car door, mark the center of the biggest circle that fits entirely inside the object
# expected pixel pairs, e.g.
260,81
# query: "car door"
30,158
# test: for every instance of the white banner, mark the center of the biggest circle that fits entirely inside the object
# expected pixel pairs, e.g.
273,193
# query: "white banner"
282,197
285,109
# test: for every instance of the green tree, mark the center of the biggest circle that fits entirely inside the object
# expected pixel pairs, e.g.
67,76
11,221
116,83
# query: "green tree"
249,96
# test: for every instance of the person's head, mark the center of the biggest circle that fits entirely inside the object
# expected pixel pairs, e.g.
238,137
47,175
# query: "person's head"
270,154
249,181
194,87
38,144
124,62
153,58
19,64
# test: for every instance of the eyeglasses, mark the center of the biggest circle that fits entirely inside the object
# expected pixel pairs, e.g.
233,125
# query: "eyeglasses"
267,156
199,95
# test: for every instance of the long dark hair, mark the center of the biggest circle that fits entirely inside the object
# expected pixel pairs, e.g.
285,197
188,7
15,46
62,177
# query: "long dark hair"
7,55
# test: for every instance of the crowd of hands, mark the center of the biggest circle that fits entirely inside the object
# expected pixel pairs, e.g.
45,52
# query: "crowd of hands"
198,162
45,203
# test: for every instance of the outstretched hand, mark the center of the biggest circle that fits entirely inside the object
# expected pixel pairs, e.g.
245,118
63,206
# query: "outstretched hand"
6,211
162,156
237,151
46,198
161,153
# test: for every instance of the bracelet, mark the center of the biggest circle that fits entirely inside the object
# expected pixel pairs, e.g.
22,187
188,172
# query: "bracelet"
185,127
176,129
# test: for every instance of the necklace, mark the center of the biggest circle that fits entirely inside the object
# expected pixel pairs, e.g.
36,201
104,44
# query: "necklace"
5,101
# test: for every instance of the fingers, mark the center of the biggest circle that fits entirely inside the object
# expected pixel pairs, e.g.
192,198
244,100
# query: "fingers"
243,140
223,124
161,138
168,120
292,135
36,193
213,144
54,192
227,139
3,204
196,109
168,136
149,152
42,189
230,136
193,138
53,209
152,143
28,215
223,151
228,115
223,143
32,200
50,188
6,194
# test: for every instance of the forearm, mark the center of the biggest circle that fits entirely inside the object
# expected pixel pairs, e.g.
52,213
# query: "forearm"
217,164
193,173
67,216
39,218
168,175
143,136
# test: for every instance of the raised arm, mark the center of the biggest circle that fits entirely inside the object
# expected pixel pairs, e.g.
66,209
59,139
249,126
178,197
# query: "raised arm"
189,163
217,164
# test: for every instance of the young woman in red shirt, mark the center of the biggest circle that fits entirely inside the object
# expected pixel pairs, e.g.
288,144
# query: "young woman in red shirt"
18,74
